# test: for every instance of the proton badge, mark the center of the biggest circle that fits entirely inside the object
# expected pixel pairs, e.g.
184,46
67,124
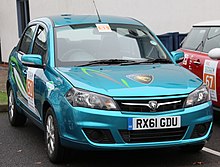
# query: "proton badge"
153,105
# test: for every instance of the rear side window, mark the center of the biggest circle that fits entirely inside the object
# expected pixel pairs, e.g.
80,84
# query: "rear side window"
194,40
27,39
213,39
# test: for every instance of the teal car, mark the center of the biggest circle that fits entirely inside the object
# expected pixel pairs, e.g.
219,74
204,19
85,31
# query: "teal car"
105,84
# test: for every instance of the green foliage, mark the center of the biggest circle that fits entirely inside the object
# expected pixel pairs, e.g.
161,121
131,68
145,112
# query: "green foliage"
3,98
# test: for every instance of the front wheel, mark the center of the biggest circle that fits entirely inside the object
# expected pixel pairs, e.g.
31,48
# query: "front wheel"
15,118
54,149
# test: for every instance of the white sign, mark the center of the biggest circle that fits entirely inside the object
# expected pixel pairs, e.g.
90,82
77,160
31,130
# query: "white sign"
154,123
209,77
30,88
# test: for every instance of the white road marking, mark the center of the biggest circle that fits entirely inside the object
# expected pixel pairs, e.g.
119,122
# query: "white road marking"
211,151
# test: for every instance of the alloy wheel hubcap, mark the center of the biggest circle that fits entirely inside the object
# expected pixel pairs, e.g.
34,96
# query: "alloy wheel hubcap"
50,134
11,105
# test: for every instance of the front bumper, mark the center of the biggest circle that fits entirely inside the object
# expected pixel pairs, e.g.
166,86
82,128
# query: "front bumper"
76,120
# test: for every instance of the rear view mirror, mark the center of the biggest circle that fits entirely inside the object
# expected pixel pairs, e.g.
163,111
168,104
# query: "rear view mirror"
33,60
214,53
177,56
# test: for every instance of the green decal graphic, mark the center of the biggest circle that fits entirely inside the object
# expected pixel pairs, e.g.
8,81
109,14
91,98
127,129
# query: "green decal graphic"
87,70
14,60
125,83
19,84
109,78
12,75
84,70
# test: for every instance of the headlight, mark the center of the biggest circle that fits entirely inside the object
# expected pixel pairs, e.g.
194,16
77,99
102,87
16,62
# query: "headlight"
82,98
199,96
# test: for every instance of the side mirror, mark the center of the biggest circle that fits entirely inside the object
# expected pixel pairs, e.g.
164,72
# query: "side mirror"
177,56
214,53
33,60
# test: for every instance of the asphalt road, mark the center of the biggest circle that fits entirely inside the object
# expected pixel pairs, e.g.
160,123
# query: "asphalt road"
24,147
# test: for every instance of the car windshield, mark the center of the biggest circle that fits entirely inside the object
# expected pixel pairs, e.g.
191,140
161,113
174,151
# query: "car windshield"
81,44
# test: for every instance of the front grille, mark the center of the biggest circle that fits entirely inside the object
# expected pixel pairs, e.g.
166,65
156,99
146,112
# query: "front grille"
156,135
141,105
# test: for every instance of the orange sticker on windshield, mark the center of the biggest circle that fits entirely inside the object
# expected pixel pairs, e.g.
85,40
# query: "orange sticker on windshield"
103,28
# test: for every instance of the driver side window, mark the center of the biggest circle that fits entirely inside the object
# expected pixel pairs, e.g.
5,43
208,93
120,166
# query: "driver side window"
40,43
26,40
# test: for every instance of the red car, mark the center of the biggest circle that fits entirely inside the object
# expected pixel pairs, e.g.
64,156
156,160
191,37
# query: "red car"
201,50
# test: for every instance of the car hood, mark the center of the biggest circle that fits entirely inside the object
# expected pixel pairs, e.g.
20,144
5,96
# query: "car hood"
133,80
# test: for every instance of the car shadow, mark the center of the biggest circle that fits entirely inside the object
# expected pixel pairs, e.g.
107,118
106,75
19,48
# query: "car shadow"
152,157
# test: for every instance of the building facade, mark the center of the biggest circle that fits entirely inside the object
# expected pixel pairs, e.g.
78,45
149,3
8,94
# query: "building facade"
159,15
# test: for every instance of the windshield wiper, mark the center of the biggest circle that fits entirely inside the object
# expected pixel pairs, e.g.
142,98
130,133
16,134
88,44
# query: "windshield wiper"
148,61
106,61
159,60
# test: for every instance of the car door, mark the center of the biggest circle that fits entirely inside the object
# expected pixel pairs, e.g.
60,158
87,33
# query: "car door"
211,68
192,48
18,68
36,78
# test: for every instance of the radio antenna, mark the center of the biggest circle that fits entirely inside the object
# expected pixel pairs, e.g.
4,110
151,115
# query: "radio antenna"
99,19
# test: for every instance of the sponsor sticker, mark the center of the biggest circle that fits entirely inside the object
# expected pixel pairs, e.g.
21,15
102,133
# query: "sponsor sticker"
209,77
30,86
186,57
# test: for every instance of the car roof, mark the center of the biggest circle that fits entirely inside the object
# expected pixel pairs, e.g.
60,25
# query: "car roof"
208,23
69,19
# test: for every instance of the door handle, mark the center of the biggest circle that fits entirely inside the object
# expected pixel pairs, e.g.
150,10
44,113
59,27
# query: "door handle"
197,62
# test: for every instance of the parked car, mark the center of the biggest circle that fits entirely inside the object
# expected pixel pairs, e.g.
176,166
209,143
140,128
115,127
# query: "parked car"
104,84
202,53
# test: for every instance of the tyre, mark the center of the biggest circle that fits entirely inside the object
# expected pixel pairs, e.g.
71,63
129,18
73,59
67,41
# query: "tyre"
15,118
193,148
55,151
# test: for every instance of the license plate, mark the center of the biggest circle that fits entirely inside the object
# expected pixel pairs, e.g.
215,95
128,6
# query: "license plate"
154,123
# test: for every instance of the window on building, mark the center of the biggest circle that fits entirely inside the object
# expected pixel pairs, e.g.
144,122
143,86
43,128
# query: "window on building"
23,15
